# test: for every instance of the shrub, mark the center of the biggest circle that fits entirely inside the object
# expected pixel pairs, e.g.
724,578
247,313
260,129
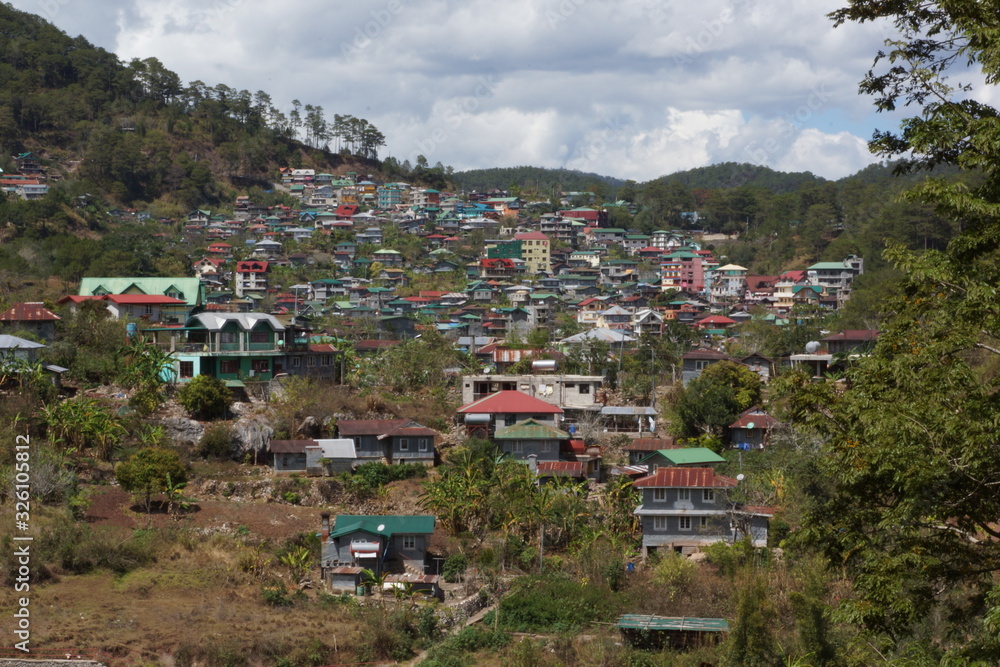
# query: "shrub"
369,477
216,442
454,567
555,603
291,497
205,397
276,595
150,471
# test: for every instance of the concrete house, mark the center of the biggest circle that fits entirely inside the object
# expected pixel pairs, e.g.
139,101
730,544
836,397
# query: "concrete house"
389,440
686,509
752,429
695,361
484,416
378,543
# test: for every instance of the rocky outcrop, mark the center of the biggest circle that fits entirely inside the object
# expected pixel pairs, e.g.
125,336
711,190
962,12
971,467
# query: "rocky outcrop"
250,437
182,430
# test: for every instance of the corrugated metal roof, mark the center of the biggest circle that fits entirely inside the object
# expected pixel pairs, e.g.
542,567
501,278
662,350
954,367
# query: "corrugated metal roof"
345,569
383,525
411,578
31,311
697,478
289,446
352,427
689,455
530,429
628,410
664,623
560,468
510,401
631,471
651,444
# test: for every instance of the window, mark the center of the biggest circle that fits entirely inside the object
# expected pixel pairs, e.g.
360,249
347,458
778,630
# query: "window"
326,360
187,369
310,361
296,361
228,337
709,496
509,420
701,364
517,447
659,495
261,365
683,494
409,541
546,446
229,366
659,523
149,310
423,444
584,388
260,336
684,523
404,444
704,522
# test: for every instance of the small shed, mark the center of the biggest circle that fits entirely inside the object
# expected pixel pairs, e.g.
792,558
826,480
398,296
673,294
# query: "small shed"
344,578
428,584
330,455
657,632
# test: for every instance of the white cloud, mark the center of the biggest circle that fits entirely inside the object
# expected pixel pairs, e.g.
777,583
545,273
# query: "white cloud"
632,88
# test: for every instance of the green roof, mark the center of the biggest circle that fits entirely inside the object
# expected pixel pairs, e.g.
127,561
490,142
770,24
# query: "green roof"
688,456
388,526
683,624
530,429
192,290
828,266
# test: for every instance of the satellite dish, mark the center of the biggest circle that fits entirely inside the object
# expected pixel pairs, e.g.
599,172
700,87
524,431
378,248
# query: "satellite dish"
751,425
812,347
381,527
739,478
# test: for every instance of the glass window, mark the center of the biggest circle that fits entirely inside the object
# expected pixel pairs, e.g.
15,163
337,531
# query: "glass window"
404,444
228,337
187,369
684,523
229,366
424,444
261,365
409,541
683,494
659,495
659,523
709,496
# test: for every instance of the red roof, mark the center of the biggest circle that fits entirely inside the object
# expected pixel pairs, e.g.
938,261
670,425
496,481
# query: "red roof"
756,417
143,300
651,444
702,353
30,311
321,347
794,276
560,468
510,402
367,345
716,319
696,478
251,266
347,209
531,236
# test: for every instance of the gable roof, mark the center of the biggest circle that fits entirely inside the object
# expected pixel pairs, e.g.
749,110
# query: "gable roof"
377,427
530,429
687,456
191,289
510,401
31,311
246,321
388,525
693,478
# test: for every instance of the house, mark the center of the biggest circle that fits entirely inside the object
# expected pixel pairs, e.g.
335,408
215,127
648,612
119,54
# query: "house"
191,291
695,361
378,543
484,416
535,251
30,317
389,440
640,448
313,456
530,438
569,392
752,429
761,365
681,457
228,346
251,278
854,341
15,348
686,509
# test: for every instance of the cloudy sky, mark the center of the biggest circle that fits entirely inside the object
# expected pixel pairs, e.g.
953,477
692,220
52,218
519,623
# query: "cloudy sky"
629,88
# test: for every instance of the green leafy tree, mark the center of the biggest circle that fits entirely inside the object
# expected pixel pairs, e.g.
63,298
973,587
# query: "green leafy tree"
141,366
714,399
205,397
904,498
151,470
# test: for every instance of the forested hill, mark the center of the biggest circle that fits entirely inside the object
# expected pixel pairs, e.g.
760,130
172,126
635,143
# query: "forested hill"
735,175
532,179
135,132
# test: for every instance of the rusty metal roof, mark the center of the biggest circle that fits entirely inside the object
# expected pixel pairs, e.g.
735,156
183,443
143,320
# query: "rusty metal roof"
560,469
351,427
30,311
697,478
651,444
